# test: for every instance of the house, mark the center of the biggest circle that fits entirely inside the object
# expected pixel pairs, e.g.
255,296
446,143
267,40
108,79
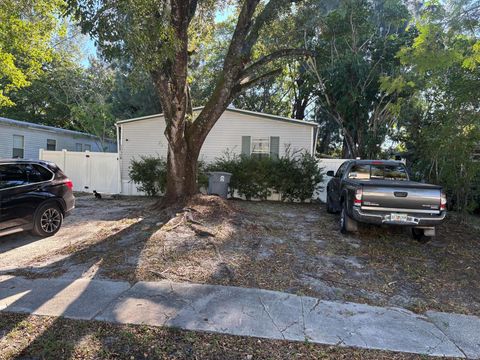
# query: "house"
236,131
19,139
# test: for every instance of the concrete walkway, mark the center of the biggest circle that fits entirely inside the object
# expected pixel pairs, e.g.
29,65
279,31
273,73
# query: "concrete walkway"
247,312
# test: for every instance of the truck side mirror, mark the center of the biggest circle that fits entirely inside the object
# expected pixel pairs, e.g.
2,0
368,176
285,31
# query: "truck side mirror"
331,173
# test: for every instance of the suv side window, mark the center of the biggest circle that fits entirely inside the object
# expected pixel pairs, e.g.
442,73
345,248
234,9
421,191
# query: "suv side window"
45,175
37,173
341,169
12,175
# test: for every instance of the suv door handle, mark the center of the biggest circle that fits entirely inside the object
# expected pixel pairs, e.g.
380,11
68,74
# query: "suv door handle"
400,193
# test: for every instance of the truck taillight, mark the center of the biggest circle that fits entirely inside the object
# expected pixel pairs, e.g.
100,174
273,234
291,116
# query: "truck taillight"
443,201
358,197
69,183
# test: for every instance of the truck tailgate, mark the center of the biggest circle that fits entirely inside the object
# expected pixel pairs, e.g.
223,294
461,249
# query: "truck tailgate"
400,196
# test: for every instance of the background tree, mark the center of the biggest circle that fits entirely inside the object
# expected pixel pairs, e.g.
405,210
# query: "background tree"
27,33
353,68
440,125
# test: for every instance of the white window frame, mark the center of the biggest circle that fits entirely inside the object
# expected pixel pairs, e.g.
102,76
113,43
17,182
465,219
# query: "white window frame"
259,140
22,148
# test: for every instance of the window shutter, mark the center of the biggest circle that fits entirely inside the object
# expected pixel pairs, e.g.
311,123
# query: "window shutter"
274,147
246,141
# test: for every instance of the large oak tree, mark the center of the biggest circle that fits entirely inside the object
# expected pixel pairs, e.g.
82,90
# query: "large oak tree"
158,35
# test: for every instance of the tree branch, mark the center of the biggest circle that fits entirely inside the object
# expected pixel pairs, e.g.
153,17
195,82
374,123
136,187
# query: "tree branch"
249,82
283,53
269,13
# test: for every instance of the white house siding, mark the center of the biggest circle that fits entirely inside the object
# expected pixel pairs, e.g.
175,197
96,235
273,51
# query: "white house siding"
146,137
141,138
229,129
36,139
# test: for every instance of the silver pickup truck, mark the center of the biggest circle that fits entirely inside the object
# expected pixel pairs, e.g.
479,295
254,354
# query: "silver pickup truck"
380,192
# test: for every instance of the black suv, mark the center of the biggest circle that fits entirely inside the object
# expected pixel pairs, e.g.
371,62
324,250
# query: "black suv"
34,195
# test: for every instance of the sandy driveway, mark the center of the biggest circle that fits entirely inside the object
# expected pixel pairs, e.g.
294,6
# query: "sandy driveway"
90,219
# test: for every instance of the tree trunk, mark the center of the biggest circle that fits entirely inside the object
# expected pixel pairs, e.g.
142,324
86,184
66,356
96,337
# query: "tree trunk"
186,136
182,167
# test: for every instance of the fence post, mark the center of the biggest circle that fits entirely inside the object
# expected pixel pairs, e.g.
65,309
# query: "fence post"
40,154
64,152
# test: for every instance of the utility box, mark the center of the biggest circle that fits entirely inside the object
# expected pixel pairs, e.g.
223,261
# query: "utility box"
218,183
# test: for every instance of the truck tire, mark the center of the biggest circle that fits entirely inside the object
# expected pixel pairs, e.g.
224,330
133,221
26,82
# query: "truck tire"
329,206
48,220
347,224
419,235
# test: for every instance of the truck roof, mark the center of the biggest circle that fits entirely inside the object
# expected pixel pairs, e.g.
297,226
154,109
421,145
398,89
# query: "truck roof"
375,162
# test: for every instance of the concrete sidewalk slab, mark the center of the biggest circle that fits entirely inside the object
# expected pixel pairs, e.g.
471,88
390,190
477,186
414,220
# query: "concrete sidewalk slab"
246,312
276,315
463,330
374,327
76,299
236,311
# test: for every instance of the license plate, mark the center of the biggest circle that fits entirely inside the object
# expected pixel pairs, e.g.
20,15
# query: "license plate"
398,217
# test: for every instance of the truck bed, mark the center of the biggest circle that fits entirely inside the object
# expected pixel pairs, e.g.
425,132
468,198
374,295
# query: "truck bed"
400,196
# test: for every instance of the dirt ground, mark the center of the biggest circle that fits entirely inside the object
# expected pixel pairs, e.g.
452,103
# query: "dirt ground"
289,247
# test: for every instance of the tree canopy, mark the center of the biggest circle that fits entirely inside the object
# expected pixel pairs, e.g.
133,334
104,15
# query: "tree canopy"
28,31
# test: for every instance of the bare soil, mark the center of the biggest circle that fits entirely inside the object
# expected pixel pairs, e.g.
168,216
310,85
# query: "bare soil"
295,248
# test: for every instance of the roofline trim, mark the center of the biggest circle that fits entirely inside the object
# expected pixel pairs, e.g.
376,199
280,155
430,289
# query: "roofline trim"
26,124
241,111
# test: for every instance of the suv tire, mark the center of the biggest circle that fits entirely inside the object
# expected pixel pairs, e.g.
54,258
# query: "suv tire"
48,220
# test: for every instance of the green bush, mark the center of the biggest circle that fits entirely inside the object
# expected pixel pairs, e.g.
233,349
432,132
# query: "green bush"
150,173
294,176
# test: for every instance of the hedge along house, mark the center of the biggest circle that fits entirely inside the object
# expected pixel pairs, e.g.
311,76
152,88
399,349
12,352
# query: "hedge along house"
19,139
236,132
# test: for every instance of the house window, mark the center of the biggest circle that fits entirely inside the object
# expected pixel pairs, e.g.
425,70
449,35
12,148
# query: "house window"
87,147
78,147
51,144
18,146
260,147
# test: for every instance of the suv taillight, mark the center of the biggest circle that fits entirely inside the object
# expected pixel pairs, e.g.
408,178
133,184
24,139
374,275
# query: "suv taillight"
358,197
69,184
443,201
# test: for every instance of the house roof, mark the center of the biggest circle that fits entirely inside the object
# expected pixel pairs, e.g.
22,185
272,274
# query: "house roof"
240,111
30,125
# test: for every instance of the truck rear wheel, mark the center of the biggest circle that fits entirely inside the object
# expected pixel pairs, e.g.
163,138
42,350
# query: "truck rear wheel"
347,224
421,235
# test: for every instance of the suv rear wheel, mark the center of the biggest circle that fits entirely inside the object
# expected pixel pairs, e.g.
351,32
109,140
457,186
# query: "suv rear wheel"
48,220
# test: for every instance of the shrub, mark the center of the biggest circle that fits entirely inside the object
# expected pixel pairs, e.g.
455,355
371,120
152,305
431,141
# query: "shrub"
293,177
150,173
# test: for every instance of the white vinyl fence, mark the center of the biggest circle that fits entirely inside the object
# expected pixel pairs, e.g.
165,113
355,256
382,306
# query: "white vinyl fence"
88,170
326,165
